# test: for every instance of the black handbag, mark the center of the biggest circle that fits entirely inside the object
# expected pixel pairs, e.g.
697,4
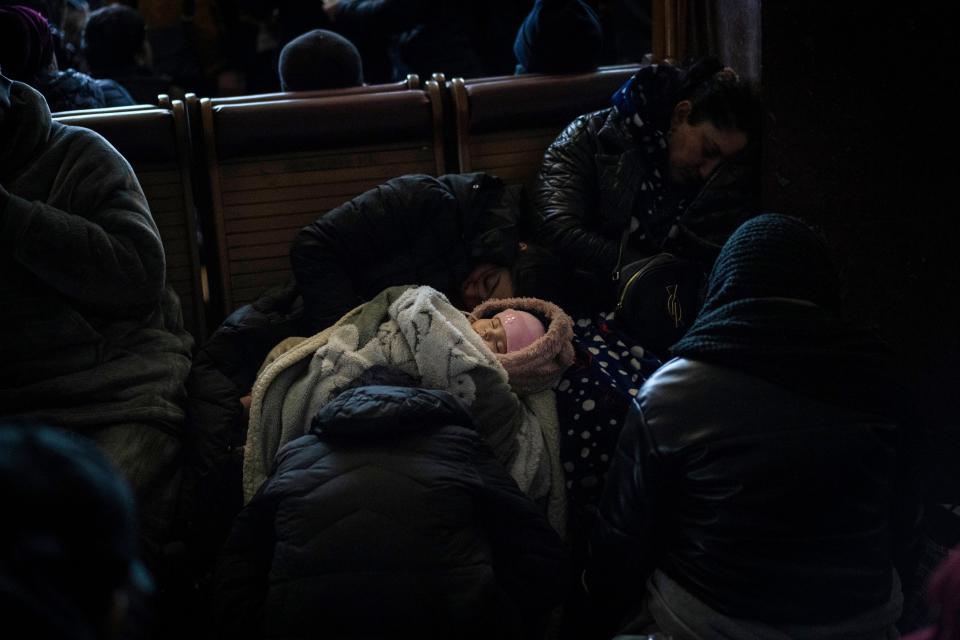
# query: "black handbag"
658,299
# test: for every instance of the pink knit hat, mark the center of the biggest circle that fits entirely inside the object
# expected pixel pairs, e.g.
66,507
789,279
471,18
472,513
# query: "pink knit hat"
522,328
539,364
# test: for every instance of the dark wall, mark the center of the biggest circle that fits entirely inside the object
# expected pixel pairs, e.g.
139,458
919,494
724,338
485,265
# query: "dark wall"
738,27
728,29
861,141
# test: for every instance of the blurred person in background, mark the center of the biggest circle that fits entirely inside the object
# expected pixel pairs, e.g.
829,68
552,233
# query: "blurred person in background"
115,46
27,54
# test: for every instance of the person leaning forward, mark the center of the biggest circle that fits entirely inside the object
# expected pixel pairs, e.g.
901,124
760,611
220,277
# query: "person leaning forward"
661,169
455,233
92,339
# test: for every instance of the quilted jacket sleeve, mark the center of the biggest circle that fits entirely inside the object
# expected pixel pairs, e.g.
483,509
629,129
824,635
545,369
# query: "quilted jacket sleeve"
567,199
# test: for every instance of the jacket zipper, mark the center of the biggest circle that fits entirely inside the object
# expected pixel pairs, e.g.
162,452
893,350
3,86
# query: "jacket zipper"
626,287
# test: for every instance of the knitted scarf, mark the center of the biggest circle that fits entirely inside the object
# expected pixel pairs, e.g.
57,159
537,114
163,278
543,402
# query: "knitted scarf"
772,311
644,105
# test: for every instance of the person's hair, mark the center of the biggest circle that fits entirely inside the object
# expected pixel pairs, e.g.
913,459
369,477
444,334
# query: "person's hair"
537,273
718,95
540,273
113,38
319,59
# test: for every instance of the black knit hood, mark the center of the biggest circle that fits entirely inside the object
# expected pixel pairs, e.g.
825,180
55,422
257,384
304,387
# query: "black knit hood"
772,310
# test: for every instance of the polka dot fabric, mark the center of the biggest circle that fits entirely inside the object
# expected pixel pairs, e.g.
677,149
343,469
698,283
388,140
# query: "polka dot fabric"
592,401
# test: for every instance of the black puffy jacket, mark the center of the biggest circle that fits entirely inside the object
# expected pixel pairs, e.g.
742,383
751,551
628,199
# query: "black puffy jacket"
391,518
764,504
586,191
413,229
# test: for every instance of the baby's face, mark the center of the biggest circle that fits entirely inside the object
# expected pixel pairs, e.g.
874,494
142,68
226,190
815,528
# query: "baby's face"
493,333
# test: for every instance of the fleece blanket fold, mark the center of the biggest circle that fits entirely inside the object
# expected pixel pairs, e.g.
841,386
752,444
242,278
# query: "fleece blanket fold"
418,331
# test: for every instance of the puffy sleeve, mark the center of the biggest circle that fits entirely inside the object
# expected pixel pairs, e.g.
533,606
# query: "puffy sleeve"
567,199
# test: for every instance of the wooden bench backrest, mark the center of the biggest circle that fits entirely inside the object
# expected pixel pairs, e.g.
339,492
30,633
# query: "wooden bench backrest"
275,166
412,82
505,124
57,115
154,142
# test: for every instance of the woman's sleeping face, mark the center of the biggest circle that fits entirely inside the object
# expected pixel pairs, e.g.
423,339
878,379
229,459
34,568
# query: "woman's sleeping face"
492,332
486,281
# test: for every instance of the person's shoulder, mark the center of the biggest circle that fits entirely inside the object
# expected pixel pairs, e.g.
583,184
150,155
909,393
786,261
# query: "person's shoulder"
591,122
689,387
583,129
89,146
79,82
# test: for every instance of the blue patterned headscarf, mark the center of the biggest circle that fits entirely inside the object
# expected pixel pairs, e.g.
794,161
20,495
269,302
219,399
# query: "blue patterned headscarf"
647,99
644,103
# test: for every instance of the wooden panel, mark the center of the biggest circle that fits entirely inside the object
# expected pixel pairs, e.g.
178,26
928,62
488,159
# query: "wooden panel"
507,159
524,140
173,235
261,176
142,136
292,126
262,210
269,235
258,279
152,177
257,252
249,225
412,82
516,118
178,259
266,189
277,263
156,190
266,201
346,157
513,156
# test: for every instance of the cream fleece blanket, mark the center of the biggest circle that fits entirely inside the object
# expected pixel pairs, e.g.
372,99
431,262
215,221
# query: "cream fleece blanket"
418,331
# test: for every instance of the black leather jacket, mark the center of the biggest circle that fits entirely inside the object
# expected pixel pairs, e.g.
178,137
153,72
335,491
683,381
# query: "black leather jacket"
586,191
764,504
